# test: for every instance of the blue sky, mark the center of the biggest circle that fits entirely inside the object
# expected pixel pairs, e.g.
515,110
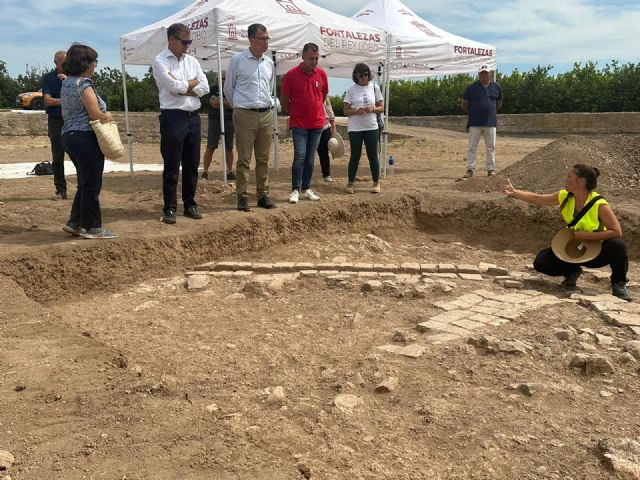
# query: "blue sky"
527,33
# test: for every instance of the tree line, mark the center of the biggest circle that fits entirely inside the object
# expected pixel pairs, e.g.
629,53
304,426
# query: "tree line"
585,88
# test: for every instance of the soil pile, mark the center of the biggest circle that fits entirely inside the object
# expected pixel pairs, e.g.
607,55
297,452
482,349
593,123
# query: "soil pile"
544,170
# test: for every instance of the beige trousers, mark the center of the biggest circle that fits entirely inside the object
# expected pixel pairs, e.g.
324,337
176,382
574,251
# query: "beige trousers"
253,136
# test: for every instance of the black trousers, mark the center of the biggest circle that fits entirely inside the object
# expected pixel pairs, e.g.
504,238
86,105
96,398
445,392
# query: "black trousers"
323,152
179,144
85,153
613,253
57,152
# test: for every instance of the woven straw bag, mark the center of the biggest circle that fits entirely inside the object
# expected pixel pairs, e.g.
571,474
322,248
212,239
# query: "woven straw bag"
107,135
108,138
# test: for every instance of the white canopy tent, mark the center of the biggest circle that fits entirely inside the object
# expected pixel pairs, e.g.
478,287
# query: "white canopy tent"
219,31
416,48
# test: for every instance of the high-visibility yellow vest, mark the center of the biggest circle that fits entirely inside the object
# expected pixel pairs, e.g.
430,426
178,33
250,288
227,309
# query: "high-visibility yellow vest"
590,222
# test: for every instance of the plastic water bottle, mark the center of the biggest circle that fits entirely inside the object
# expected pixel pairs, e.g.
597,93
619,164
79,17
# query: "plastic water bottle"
392,162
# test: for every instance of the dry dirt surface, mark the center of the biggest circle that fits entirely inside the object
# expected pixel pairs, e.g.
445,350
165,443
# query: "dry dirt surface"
118,361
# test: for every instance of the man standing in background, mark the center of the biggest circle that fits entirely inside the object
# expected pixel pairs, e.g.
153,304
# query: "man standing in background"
251,76
482,100
304,90
181,82
51,84
214,131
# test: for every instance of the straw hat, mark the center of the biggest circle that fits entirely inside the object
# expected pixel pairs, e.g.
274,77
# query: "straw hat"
336,146
571,250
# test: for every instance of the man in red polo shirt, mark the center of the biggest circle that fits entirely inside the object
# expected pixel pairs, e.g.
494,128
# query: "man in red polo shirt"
304,89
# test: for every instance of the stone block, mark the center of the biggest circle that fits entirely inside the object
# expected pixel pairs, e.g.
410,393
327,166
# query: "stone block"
484,267
308,273
450,316
447,268
305,266
205,267
512,284
443,275
365,274
428,267
328,272
197,282
470,298
435,326
363,267
497,271
409,267
262,267
442,338
389,267
476,277
467,269
448,306
242,273
283,266
326,266
220,266
483,318
467,324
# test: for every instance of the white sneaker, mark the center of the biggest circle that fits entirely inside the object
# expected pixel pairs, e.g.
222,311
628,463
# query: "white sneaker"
328,179
295,195
309,195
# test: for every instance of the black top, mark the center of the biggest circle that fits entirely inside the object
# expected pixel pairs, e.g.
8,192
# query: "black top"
215,112
51,85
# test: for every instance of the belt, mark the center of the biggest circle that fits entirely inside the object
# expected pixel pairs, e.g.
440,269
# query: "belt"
177,110
259,110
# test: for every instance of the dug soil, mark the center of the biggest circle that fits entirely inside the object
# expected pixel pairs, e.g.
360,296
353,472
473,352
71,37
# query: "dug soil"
110,368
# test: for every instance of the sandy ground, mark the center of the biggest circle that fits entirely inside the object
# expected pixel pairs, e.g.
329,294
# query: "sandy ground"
111,369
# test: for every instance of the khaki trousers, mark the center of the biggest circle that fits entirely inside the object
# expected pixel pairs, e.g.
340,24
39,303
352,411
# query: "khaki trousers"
253,135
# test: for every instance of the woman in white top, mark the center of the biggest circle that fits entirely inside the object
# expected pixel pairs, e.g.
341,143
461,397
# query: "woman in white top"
323,147
362,102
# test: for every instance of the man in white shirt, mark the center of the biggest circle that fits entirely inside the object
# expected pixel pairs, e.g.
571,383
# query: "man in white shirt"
249,87
181,82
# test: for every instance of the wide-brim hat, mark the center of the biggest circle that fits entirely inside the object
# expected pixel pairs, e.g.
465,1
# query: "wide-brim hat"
336,145
569,249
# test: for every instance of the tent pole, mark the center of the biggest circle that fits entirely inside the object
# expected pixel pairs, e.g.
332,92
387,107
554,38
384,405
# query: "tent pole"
387,72
220,96
276,130
126,118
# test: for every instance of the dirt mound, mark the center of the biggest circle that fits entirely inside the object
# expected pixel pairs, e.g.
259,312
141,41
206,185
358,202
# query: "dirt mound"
544,170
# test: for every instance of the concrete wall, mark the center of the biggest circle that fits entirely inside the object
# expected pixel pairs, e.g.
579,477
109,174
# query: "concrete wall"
145,126
540,123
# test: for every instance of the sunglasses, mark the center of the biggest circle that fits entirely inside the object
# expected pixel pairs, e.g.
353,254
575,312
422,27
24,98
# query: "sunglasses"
186,43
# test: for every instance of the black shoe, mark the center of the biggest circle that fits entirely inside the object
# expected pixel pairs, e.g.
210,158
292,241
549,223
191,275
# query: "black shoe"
169,217
491,173
62,194
264,202
230,176
192,212
205,175
619,289
469,174
571,280
243,204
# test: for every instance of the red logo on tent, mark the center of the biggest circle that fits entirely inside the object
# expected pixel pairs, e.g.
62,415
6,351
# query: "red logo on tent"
424,28
290,7
231,27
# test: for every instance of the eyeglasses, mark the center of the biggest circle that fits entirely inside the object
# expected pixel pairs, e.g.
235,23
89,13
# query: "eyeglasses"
363,74
186,43
266,39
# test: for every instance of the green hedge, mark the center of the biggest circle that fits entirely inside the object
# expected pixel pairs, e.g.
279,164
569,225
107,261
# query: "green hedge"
585,88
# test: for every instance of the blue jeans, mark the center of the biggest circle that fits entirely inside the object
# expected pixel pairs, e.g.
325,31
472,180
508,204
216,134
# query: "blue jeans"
305,144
